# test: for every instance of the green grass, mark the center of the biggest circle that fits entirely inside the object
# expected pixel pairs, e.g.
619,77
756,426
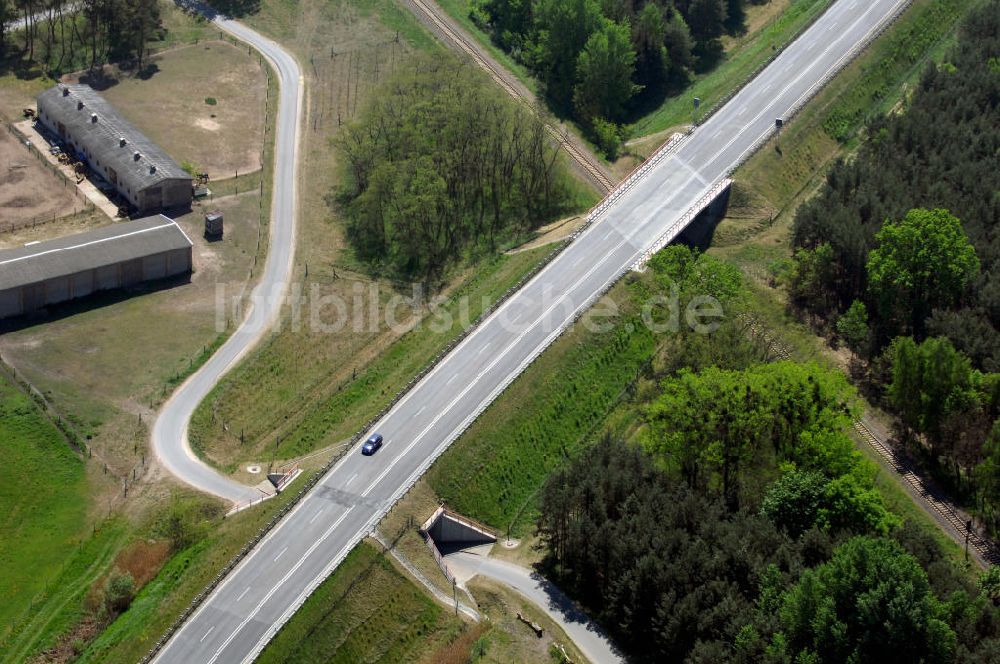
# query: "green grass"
494,470
44,503
365,611
741,61
62,606
875,82
184,575
395,17
895,58
248,403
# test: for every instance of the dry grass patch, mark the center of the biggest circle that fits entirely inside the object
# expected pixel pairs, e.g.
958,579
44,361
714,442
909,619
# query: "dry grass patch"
29,190
106,362
203,105
509,639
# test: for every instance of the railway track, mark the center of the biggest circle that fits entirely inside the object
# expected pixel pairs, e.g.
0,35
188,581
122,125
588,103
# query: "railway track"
941,506
592,169
985,550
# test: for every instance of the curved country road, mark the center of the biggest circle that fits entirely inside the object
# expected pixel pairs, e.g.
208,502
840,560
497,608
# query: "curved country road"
250,604
587,636
170,431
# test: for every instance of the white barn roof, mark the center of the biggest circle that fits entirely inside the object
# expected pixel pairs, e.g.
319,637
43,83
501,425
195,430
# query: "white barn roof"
109,245
110,138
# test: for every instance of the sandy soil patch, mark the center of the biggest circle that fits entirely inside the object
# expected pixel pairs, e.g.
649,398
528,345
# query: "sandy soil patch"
208,125
29,190
204,104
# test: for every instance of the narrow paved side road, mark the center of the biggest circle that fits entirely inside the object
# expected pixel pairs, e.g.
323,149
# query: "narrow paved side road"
170,431
585,634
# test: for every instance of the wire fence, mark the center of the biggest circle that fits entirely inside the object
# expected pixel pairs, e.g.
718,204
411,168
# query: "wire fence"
592,217
84,205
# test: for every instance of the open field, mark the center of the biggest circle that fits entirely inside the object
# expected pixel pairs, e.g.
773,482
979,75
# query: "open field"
184,575
365,611
310,388
104,364
21,80
204,105
29,190
45,509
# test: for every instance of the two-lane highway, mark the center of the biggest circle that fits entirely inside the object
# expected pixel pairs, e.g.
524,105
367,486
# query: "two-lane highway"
263,591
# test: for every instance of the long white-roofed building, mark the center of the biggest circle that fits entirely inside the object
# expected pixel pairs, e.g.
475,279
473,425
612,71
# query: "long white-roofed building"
116,256
114,148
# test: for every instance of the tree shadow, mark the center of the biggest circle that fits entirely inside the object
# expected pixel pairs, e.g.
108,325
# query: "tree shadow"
236,8
12,61
98,300
148,71
99,79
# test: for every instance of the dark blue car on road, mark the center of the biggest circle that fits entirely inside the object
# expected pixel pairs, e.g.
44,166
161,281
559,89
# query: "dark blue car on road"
372,444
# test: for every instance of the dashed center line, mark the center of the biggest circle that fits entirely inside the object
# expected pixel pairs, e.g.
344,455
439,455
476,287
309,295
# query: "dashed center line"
423,408
348,482
210,630
316,515
243,594
280,554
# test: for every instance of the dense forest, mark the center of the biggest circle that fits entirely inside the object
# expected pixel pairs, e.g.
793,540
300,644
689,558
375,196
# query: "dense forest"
741,524
602,61
440,165
894,227
900,252
63,34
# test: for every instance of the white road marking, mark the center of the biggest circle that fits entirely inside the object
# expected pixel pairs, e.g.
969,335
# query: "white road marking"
348,482
716,156
281,582
452,378
485,346
316,515
422,409
280,554
586,275
210,630
243,594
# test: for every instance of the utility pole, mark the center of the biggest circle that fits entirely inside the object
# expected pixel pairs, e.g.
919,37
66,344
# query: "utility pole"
694,111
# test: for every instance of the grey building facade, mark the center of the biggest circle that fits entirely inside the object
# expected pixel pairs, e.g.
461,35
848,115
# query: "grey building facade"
116,256
138,168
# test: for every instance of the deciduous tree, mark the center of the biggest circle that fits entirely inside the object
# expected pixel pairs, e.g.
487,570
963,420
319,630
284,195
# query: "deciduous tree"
922,262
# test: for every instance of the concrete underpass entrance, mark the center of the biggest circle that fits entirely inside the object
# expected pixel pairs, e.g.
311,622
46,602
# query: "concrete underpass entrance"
447,532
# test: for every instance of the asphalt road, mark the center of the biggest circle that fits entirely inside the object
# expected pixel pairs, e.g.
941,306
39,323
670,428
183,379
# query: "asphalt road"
265,589
587,636
40,17
169,435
